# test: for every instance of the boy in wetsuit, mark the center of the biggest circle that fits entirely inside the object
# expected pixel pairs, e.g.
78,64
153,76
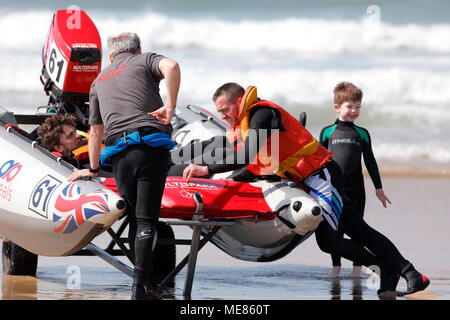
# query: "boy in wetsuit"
348,142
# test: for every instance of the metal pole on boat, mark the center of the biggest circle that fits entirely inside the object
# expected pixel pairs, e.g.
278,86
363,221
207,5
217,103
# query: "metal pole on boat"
196,232
110,259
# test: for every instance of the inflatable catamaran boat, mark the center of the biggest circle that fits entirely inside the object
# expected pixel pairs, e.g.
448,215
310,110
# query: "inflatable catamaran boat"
43,214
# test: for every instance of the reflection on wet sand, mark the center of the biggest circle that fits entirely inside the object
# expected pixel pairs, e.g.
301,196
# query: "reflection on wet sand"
357,288
286,282
31,288
19,288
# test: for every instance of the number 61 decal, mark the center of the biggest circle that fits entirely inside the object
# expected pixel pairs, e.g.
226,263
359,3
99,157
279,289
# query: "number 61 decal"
56,66
41,195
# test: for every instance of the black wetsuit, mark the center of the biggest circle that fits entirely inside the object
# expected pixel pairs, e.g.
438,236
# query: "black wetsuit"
222,152
348,142
382,252
120,98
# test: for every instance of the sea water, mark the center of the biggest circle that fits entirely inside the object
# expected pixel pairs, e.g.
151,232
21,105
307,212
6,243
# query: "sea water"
295,52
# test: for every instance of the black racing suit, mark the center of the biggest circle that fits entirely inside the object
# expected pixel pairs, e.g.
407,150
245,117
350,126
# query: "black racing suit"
221,151
140,173
382,251
348,142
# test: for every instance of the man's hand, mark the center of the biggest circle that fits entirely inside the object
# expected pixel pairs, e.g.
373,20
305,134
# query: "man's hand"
81,174
194,170
162,115
383,198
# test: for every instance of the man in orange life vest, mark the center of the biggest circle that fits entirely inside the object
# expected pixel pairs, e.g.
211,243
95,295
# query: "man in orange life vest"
300,158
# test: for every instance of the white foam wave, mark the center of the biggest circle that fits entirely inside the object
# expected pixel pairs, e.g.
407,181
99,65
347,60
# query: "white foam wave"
28,30
24,31
416,93
392,92
437,152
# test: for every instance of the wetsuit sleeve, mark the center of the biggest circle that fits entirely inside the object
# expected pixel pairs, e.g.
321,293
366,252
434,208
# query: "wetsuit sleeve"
153,60
370,162
94,107
262,118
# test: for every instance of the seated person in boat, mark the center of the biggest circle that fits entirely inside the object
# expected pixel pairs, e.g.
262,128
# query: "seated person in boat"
58,134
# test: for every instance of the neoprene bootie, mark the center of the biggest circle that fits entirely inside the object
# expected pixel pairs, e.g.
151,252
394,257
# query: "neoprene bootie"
388,279
414,279
139,292
389,283
142,292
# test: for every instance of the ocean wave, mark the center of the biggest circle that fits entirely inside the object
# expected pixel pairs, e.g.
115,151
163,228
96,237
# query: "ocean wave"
403,151
307,35
396,92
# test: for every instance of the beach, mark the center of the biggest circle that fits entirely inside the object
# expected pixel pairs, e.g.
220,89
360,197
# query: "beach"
417,222
294,52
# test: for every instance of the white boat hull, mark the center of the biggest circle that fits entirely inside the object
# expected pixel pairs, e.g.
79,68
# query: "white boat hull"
40,210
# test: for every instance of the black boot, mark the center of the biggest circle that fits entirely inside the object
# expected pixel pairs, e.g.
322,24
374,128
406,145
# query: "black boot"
152,285
388,279
143,292
145,240
139,292
388,282
415,280
154,293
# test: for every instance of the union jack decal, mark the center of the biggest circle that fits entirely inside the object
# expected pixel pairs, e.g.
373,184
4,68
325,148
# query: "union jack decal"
72,208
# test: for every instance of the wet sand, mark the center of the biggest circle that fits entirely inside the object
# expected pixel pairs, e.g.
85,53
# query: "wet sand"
418,222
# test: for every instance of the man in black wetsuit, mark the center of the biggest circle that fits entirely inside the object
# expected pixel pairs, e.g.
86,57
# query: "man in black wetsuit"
302,160
127,110
348,142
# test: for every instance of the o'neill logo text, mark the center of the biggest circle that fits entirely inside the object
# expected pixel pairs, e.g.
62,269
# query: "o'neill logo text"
8,171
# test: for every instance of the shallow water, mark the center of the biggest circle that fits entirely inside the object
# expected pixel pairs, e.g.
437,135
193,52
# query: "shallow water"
417,222
275,282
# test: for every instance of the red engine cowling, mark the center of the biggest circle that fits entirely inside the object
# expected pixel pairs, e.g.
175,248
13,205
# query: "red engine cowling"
71,56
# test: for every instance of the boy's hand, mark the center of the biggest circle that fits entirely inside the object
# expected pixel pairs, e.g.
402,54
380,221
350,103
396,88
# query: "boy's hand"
380,194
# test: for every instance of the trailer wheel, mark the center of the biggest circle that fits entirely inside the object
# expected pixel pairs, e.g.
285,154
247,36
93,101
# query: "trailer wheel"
164,259
18,261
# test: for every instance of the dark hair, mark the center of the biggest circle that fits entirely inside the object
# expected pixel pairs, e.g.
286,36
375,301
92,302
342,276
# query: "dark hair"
51,129
231,90
346,91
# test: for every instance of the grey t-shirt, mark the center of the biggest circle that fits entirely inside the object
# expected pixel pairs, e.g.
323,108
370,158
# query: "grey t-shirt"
125,91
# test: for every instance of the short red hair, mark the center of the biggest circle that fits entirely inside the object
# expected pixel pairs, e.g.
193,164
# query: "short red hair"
346,91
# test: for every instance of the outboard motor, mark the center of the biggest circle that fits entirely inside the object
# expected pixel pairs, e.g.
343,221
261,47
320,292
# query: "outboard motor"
71,59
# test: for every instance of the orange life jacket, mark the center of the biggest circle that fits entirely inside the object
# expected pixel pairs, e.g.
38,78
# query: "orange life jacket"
81,153
291,154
